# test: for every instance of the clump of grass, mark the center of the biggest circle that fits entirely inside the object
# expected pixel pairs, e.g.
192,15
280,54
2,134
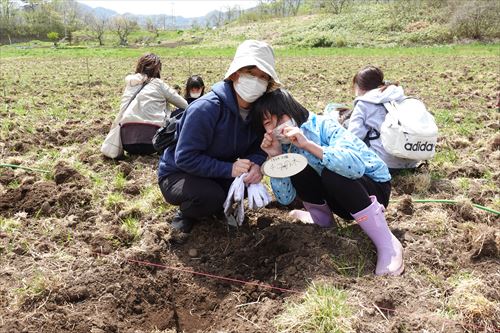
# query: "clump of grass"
120,181
433,278
435,221
132,226
323,309
14,184
114,201
469,304
150,200
8,225
422,183
464,183
445,157
33,287
352,264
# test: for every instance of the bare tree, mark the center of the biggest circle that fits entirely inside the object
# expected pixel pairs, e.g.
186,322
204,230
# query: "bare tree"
7,18
123,26
220,18
229,13
477,19
98,26
152,26
293,6
70,15
336,6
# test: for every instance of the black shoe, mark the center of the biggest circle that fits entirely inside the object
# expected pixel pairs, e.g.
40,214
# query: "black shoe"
177,237
182,223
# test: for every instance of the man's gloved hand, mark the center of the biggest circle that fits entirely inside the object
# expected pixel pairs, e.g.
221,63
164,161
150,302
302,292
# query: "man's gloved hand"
258,196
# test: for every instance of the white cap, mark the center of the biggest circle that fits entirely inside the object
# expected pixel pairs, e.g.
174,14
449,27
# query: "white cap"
254,53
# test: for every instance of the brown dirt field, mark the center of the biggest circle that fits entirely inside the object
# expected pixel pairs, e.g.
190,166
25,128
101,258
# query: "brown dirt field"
67,264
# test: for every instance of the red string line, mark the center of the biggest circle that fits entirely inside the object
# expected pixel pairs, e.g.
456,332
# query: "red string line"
263,285
258,284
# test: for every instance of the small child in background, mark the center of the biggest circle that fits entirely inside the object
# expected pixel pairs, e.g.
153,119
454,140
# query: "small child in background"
195,88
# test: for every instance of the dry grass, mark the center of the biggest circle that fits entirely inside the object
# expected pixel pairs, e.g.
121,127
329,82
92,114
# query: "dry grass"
435,220
469,303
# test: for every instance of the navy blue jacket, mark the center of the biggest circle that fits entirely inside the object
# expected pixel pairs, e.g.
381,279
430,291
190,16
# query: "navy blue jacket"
211,137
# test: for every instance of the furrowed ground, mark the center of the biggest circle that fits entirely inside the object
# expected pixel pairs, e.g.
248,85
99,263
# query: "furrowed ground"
68,236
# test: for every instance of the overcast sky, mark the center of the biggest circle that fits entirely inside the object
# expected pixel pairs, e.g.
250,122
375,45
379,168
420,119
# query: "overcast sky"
185,8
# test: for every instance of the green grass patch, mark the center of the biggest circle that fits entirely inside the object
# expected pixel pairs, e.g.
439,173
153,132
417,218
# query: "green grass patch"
32,287
8,225
197,51
150,200
14,184
353,265
445,155
120,181
323,309
114,201
132,226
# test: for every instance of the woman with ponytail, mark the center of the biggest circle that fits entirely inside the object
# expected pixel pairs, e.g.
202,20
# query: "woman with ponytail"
145,104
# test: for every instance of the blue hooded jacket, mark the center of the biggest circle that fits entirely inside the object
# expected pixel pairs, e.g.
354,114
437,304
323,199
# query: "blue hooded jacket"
211,136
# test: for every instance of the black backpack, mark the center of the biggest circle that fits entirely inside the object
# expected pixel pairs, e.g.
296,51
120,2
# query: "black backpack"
166,136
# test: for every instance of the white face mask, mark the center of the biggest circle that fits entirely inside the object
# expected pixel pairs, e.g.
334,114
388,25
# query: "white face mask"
277,132
250,87
195,94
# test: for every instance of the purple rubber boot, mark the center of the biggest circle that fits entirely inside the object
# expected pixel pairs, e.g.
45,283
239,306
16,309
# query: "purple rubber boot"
389,249
317,214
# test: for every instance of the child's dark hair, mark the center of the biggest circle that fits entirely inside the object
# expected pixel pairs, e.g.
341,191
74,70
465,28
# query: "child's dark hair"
279,103
370,77
194,81
149,64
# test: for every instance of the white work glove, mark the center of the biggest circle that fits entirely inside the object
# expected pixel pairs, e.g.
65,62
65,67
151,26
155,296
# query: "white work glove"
236,194
240,215
257,196
236,191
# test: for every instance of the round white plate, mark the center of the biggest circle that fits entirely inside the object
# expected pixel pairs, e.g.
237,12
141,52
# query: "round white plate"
284,165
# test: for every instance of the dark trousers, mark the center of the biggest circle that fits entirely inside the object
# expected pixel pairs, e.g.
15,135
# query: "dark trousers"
344,196
139,149
196,196
137,138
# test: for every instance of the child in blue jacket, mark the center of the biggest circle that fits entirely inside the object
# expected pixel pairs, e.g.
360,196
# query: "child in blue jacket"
343,175
216,141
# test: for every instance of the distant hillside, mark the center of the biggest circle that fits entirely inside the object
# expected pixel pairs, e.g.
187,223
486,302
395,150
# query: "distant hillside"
358,24
369,24
163,21
365,24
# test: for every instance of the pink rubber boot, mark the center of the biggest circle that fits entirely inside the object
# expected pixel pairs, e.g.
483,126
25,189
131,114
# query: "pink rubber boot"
318,214
389,249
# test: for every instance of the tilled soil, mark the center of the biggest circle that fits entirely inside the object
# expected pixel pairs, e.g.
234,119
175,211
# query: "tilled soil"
68,264
95,278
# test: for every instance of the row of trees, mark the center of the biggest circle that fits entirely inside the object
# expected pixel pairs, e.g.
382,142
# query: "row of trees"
35,19
57,19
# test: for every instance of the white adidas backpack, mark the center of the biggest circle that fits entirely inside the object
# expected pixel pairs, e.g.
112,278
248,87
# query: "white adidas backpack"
409,130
